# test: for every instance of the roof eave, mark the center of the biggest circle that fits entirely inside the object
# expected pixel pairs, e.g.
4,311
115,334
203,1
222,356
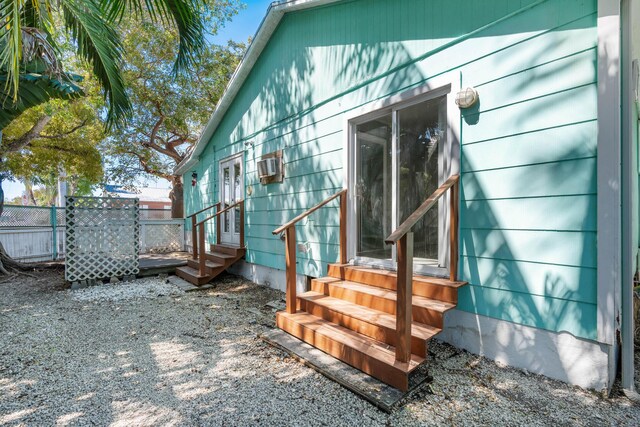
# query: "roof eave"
266,29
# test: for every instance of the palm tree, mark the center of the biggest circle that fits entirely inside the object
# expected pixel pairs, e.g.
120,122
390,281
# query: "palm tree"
27,43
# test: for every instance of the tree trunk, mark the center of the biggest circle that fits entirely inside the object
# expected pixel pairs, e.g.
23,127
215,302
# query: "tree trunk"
177,197
7,264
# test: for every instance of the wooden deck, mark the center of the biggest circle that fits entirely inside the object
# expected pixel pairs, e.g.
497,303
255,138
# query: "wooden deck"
153,264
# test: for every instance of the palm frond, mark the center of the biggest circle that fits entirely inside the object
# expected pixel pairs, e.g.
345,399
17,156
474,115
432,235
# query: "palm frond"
39,14
36,89
184,15
11,47
99,44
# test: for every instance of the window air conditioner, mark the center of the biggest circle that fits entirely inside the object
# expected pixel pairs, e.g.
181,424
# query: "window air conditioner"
267,167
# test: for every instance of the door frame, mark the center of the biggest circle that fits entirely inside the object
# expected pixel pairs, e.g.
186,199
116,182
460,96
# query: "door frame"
230,238
449,164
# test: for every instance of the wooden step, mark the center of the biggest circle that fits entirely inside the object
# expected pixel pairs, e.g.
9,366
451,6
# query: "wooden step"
221,257
192,275
425,310
430,287
210,265
366,321
366,354
227,249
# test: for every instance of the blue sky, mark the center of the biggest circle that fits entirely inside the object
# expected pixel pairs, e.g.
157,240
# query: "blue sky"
243,26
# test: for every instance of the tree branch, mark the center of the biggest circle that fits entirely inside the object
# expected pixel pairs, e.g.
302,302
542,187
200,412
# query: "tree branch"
148,169
33,133
63,134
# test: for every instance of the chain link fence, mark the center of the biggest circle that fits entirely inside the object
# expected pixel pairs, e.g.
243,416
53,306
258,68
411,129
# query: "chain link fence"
35,233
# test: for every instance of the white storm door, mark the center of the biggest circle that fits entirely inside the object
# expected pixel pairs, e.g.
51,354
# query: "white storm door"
231,191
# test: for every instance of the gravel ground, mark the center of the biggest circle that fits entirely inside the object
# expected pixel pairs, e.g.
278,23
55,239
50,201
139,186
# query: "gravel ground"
144,353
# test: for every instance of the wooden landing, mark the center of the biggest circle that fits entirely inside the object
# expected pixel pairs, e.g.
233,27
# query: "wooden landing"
154,264
369,388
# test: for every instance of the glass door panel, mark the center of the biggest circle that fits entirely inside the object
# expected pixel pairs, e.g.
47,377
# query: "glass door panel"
421,136
226,191
231,191
237,190
373,188
398,162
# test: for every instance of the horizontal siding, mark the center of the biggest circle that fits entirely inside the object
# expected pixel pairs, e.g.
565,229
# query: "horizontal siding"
538,147
561,178
575,249
544,280
528,188
524,308
531,213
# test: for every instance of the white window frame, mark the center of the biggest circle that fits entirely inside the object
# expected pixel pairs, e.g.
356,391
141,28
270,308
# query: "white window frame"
449,164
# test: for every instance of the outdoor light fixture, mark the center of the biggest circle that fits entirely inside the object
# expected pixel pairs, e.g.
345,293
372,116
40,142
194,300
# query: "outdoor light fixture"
194,179
466,97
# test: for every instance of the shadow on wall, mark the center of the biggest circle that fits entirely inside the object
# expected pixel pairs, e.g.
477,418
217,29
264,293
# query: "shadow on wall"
528,225
312,153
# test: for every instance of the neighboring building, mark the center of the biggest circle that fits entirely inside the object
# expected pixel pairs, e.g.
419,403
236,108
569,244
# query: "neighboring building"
150,197
360,95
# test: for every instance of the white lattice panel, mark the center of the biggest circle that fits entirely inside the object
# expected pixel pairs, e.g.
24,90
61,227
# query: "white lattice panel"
102,237
159,237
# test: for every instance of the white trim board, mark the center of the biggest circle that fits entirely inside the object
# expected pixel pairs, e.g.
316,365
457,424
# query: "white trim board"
609,171
560,356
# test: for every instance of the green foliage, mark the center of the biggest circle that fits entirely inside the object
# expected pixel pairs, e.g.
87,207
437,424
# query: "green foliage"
36,89
170,113
70,142
28,33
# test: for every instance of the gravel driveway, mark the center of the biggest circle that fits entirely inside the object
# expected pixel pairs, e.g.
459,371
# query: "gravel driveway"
144,353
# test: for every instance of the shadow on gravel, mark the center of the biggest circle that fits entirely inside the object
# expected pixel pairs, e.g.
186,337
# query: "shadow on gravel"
196,359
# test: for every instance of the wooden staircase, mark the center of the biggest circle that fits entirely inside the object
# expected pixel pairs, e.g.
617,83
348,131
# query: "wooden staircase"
378,321
205,266
351,315
217,260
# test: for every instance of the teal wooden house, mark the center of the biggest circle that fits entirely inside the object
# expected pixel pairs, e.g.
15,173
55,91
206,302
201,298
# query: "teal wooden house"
517,122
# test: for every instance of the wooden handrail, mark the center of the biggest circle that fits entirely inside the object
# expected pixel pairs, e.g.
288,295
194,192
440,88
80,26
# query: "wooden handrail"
403,237
194,228
308,212
202,260
290,244
422,210
202,210
222,211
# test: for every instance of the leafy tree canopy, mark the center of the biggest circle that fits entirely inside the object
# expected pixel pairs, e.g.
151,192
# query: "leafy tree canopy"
169,113
29,31
59,136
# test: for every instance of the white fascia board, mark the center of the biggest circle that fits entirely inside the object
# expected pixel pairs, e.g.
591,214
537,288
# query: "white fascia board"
267,27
